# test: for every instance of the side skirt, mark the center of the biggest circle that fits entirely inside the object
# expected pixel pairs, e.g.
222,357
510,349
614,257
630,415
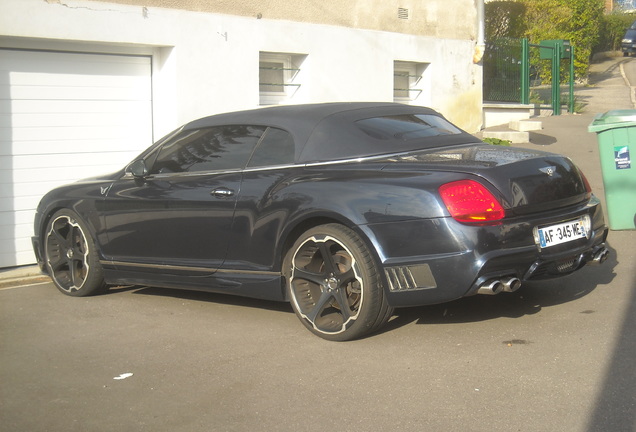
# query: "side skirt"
253,284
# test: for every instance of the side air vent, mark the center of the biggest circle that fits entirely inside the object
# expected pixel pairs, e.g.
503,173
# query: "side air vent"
403,13
407,278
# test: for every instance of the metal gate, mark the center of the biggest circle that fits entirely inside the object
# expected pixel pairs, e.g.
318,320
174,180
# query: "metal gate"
507,70
502,70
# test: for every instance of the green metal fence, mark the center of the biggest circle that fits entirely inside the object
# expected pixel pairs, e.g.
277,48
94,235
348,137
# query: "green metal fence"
507,70
502,70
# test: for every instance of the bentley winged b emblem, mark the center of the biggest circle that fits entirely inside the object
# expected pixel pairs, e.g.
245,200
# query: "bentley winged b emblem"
548,170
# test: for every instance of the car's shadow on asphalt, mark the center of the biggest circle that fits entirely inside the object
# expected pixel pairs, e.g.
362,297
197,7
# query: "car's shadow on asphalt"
204,296
528,300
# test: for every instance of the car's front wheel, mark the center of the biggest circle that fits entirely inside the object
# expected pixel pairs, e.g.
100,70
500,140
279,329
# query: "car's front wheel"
333,284
71,257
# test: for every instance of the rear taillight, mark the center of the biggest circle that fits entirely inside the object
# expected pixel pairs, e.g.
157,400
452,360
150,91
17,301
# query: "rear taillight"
470,201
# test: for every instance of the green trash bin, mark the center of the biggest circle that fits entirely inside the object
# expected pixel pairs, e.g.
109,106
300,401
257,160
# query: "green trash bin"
616,133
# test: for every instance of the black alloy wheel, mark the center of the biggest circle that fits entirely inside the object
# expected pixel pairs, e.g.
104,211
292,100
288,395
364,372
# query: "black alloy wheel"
333,284
71,257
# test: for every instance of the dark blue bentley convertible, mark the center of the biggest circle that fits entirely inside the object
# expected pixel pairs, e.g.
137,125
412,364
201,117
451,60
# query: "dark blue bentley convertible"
346,210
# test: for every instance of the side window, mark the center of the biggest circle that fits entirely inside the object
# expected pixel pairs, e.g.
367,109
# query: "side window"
209,149
276,148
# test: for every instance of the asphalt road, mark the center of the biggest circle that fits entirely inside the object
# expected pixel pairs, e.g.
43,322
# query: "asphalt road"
629,68
556,356
553,356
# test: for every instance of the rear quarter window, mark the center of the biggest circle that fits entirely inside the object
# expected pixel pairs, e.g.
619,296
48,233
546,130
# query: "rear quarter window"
406,127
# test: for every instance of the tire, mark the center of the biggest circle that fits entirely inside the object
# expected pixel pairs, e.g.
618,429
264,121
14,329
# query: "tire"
71,257
333,284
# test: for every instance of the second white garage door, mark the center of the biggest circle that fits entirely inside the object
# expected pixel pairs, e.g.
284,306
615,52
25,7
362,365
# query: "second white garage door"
64,116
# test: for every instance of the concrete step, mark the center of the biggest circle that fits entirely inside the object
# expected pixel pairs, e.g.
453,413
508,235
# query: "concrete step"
513,136
525,125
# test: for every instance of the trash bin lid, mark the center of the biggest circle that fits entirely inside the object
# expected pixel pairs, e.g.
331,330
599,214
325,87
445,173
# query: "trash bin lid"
613,119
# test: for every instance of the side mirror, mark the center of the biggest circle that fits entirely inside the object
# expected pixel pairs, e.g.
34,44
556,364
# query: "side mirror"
138,169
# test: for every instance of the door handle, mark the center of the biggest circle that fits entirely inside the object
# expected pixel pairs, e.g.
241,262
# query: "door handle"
222,192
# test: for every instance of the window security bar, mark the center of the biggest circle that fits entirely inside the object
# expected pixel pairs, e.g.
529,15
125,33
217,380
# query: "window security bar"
408,89
279,84
416,80
278,68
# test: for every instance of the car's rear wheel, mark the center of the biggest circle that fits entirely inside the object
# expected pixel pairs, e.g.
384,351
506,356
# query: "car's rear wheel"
71,257
333,284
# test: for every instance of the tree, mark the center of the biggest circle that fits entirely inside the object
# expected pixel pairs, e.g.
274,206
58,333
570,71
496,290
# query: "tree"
614,26
578,21
505,19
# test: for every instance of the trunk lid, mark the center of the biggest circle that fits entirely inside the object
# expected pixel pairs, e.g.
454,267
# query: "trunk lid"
527,181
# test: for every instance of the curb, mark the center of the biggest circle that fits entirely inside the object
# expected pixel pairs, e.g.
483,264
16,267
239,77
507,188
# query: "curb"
21,281
25,275
632,89
25,280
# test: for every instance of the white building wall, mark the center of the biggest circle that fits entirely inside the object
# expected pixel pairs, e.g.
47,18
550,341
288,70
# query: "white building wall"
208,63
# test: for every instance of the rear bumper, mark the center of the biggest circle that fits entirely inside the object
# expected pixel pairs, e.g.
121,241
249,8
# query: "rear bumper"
441,260
628,48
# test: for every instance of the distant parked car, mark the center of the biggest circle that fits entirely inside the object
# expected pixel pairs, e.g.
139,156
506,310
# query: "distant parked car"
346,210
628,44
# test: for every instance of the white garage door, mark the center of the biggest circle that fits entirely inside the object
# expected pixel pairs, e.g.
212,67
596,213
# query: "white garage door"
63,116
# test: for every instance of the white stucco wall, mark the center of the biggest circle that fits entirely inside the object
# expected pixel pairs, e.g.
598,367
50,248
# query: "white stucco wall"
206,63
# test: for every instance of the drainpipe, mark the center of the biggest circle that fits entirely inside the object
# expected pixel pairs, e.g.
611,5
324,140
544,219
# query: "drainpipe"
481,43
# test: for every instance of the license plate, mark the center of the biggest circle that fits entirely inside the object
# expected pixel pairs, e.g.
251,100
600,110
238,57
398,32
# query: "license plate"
562,233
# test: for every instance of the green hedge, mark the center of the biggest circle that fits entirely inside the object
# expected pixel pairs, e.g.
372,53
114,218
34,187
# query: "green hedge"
613,28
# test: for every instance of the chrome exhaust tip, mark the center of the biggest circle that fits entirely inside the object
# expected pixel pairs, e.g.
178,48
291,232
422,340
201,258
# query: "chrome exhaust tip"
491,287
511,283
600,256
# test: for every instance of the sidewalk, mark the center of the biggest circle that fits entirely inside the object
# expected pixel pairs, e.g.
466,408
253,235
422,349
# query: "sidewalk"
608,88
566,134
21,275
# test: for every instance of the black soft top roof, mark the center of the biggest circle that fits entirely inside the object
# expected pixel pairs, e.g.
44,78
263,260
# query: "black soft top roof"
327,131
